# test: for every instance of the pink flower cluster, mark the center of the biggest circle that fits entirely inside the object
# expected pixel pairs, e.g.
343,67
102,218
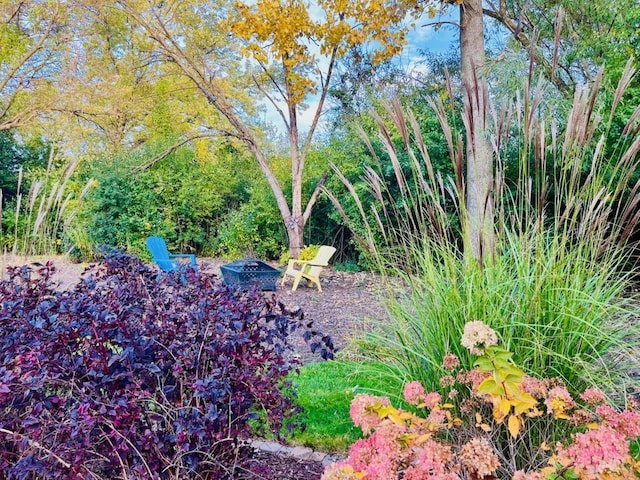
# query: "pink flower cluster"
450,361
477,337
363,411
559,402
626,422
596,453
433,462
593,396
414,393
478,457
378,456
534,387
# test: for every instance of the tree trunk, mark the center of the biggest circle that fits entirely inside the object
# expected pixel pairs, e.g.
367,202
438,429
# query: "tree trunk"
479,167
296,239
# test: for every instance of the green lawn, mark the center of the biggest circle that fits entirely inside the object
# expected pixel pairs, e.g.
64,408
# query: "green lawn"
325,391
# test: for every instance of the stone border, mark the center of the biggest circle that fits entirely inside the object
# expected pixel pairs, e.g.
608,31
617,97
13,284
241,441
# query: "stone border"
298,452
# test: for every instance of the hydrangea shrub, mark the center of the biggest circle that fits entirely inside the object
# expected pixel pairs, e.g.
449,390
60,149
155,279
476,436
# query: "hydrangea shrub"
502,427
127,375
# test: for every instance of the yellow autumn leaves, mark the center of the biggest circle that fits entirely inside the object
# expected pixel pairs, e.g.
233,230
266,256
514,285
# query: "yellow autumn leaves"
295,36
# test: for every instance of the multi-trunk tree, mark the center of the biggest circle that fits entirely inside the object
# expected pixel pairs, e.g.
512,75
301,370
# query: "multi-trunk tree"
272,51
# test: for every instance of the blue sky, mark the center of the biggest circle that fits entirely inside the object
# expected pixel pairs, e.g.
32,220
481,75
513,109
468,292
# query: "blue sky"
419,39
428,38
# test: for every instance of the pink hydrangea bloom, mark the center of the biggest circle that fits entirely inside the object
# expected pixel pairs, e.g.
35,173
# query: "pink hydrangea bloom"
432,400
593,396
386,440
363,412
382,467
606,413
478,457
450,361
596,452
437,417
626,422
559,402
521,475
478,336
433,463
414,393
361,454
371,456
629,424
475,377
447,381
534,387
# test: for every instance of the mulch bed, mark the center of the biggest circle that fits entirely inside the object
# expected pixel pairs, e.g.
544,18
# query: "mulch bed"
259,465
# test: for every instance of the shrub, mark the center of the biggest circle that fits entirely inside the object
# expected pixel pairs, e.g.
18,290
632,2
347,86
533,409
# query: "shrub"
508,425
351,267
131,375
251,231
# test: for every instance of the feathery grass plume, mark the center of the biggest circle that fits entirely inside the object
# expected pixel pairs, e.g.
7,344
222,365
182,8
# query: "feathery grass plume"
555,291
49,210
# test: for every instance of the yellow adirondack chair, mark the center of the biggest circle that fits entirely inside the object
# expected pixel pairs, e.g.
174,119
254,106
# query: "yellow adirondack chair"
308,269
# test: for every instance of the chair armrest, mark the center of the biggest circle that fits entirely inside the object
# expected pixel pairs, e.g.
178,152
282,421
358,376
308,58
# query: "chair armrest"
294,261
302,263
190,256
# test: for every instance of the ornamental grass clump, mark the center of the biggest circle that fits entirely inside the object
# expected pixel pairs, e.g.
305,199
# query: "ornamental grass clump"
556,285
507,425
131,375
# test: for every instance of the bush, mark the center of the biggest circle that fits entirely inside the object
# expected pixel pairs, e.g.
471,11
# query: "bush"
508,425
182,198
131,375
254,230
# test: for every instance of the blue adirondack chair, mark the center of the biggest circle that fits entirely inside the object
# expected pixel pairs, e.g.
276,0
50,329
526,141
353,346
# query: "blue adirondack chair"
168,262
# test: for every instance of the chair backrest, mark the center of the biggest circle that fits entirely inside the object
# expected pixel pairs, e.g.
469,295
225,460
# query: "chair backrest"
323,256
321,260
158,248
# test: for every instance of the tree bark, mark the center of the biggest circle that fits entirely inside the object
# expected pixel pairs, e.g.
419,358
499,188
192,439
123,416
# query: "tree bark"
479,166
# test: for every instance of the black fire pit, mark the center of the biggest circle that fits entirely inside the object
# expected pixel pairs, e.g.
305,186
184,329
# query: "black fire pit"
250,271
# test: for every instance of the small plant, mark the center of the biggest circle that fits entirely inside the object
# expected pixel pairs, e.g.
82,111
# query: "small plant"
350,267
493,421
307,253
128,375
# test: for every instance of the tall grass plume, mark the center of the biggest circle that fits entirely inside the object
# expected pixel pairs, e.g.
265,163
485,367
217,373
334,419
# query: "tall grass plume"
555,288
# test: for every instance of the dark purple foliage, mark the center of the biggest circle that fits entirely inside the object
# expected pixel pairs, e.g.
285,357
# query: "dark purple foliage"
128,375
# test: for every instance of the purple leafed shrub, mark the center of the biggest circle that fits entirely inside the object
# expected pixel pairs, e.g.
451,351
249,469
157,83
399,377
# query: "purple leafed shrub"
131,376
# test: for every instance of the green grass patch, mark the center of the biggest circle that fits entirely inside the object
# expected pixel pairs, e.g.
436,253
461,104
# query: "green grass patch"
325,391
